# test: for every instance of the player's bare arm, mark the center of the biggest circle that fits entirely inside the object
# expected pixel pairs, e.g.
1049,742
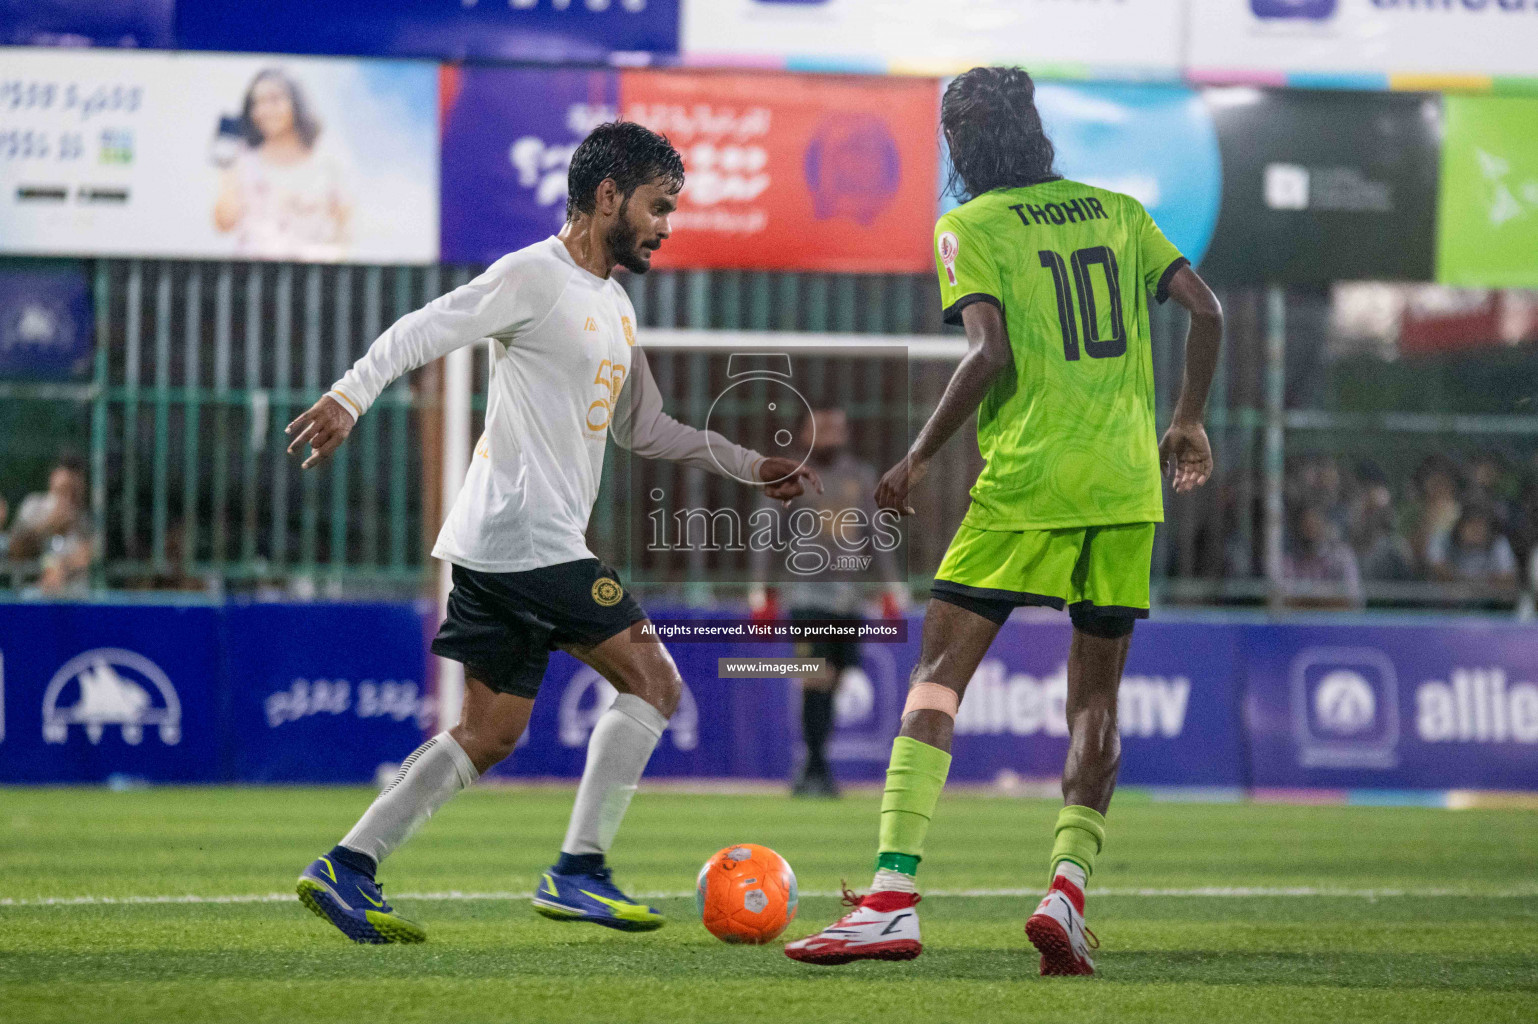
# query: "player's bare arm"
323,426
1185,452
988,355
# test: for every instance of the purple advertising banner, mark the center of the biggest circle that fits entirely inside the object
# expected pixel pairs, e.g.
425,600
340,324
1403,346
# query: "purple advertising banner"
1392,707
508,136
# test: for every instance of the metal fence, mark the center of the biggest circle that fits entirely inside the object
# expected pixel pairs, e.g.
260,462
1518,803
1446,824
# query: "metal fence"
199,366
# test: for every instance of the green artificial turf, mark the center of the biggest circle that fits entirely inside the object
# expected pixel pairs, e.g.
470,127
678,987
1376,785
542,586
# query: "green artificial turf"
1425,915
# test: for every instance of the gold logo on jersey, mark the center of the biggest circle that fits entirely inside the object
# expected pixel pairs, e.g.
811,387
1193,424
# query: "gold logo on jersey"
607,592
950,246
590,325
629,330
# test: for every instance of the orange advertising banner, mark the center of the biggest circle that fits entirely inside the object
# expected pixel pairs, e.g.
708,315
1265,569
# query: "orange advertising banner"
796,172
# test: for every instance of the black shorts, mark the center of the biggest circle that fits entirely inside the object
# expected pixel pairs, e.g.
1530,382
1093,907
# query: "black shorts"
841,654
503,625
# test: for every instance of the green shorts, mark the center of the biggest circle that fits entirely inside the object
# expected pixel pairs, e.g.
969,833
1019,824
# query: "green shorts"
1101,569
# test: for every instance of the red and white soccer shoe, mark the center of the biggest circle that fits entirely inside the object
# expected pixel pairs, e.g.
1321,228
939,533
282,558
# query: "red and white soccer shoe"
1057,930
882,926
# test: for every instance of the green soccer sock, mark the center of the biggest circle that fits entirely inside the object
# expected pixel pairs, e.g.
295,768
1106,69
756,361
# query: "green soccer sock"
914,780
1080,833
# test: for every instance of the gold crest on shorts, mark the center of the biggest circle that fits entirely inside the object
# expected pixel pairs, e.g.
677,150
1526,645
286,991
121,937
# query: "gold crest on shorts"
607,592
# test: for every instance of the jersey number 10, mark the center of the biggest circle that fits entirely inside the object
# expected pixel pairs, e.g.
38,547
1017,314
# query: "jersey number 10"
1083,260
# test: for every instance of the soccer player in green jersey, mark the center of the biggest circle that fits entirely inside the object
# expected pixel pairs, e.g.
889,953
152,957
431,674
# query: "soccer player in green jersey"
1051,280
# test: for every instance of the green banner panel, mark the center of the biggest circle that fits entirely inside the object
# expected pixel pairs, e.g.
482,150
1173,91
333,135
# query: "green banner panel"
1487,223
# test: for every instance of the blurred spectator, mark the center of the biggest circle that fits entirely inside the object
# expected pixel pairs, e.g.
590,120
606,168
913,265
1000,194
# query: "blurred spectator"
1319,570
176,574
1436,507
1492,484
1474,551
54,527
1318,483
1382,553
5,539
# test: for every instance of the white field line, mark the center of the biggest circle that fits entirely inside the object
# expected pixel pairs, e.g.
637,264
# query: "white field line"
1205,892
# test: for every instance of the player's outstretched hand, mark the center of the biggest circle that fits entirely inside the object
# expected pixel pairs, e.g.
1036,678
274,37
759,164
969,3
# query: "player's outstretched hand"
323,426
892,489
1186,455
787,478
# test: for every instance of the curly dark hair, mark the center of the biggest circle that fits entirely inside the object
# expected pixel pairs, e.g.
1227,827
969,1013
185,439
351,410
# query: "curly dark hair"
629,153
306,125
990,120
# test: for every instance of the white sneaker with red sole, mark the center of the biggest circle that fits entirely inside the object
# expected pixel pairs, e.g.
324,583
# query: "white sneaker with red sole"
882,926
1057,931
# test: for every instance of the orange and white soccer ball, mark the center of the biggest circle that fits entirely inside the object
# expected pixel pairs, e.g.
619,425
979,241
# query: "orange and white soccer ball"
746,893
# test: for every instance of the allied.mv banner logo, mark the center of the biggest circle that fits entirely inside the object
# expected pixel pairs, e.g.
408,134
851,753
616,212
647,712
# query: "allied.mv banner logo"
111,687
1345,708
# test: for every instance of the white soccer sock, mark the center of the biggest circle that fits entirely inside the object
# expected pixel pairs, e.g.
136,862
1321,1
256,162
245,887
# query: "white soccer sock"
887,880
427,778
1071,871
621,744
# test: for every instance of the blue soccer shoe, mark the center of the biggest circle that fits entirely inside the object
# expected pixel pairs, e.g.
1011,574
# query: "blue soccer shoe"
592,897
354,903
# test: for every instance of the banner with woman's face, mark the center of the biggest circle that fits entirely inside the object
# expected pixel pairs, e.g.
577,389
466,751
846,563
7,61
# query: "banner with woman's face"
283,158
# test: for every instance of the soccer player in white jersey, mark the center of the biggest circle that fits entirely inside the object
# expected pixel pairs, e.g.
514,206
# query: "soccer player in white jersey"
565,376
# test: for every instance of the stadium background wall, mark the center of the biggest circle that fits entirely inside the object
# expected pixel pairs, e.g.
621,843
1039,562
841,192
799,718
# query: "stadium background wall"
269,693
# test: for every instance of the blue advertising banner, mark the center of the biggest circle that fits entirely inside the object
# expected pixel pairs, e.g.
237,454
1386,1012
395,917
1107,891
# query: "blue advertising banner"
177,694
508,136
46,324
547,31
134,23
324,711
1156,143
171,694
1392,707
90,692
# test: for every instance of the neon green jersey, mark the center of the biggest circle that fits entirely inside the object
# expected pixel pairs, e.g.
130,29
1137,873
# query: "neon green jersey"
1069,436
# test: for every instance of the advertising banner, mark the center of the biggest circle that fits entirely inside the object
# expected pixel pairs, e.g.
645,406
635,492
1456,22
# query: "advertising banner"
114,153
1122,37
46,323
784,172
1156,143
1487,218
1248,38
1179,721
508,136
1324,186
324,712
89,692
552,31
101,693
1392,707
132,23
795,172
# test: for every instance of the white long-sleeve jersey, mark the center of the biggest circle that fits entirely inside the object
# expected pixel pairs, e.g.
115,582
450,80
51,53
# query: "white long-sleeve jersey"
566,374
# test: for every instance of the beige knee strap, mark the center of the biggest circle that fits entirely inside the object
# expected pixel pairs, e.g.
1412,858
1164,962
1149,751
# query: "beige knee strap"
932,697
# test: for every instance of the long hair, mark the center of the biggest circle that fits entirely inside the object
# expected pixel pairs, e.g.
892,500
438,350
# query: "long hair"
306,126
989,117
